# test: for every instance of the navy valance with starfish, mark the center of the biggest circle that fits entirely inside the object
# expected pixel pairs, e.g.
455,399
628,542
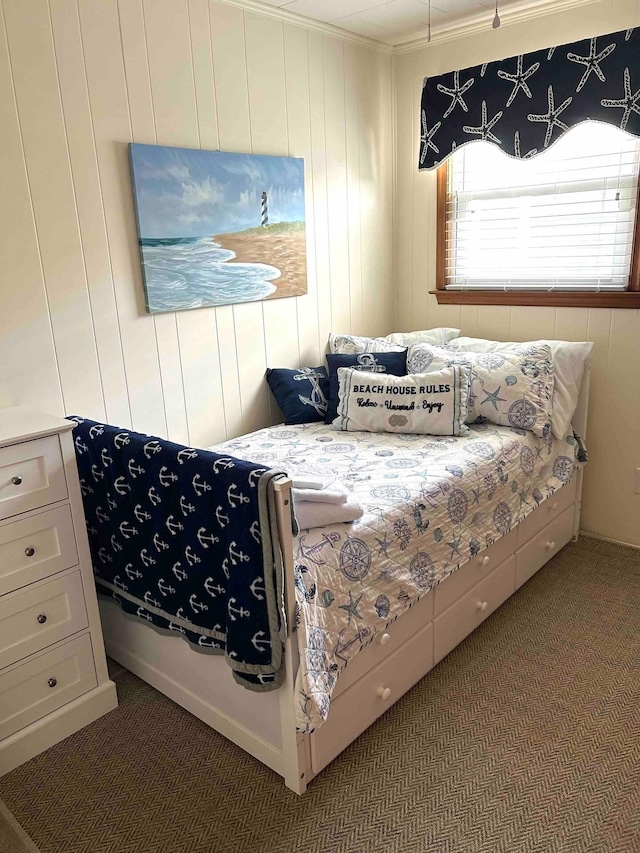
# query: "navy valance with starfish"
525,103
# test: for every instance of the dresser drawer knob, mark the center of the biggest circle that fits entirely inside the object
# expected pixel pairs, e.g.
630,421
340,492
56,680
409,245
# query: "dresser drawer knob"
29,551
484,561
482,605
553,507
42,618
52,682
17,481
550,546
384,693
385,639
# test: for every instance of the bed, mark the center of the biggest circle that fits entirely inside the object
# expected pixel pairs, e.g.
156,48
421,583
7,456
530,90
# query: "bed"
373,606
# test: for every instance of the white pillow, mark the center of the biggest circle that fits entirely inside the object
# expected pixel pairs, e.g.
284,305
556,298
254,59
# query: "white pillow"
439,336
429,404
511,388
570,358
351,344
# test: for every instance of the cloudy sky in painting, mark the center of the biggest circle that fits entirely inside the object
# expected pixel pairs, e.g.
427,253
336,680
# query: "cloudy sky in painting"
183,192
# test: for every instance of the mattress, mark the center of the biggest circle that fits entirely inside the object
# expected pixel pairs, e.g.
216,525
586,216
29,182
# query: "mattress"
430,505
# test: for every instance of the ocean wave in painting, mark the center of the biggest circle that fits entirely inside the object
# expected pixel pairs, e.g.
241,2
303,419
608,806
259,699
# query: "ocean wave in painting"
193,272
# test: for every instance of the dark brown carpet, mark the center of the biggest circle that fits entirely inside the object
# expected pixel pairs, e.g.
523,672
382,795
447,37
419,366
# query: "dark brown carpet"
526,739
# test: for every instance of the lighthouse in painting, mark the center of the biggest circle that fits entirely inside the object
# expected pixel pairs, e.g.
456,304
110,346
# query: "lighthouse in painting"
264,213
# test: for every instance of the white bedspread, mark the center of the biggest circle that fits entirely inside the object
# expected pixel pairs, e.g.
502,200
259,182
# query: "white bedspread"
431,504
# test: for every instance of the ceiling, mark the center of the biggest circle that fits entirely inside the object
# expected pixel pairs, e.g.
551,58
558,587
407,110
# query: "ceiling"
392,21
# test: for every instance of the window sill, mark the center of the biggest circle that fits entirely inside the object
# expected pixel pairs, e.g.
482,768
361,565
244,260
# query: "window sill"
558,299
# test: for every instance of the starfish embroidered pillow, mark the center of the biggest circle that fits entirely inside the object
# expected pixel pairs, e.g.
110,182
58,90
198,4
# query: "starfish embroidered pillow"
301,393
512,388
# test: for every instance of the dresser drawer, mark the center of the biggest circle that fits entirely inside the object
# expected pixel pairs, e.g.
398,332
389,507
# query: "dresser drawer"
355,710
462,618
44,684
451,589
34,548
31,475
546,512
542,547
40,616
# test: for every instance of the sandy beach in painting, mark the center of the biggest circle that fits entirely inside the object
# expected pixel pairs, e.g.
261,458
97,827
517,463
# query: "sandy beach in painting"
282,245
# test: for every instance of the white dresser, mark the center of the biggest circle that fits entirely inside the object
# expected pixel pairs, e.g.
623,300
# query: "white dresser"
53,672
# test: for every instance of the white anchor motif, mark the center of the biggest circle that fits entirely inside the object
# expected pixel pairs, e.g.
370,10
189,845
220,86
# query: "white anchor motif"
191,558
196,605
188,453
141,514
317,400
92,530
179,572
235,499
96,473
167,477
241,612
160,544
115,545
185,506
257,588
121,486
254,530
265,679
101,515
225,567
149,599
165,588
213,591
104,557
134,469
147,559
117,582
128,530
95,430
258,642
154,497
205,641
222,517
121,439
254,476
244,558
173,526
86,490
180,614
200,487
132,573
80,446
173,627
110,502
104,456
150,448
223,462
204,537
142,613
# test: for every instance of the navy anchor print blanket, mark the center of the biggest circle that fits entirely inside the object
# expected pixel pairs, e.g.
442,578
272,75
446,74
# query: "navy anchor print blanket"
182,539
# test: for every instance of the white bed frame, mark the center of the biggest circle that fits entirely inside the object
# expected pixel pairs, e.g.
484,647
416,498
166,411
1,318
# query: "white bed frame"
263,724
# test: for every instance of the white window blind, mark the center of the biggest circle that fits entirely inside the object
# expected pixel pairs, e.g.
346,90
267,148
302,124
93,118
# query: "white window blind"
563,220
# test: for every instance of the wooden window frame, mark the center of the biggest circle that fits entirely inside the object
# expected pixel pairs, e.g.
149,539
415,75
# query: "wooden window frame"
629,298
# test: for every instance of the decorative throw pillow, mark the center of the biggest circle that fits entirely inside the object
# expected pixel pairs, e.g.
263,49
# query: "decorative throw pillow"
394,363
439,336
355,343
301,394
509,388
570,358
428,403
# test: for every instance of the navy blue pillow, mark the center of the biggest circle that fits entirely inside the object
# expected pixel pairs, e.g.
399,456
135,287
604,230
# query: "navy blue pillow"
301,393
394,363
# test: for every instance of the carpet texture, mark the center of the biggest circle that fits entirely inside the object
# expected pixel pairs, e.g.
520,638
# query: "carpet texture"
525,739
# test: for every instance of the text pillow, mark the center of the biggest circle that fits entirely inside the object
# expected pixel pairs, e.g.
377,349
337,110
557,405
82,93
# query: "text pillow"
429,403
570,358
508,388
394,363
301,394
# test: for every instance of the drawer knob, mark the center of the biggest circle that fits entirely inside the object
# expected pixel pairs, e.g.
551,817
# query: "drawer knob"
17,481
550,546
29,551
42,618
385,639
52,682
484,561
384,693
553,507
482,605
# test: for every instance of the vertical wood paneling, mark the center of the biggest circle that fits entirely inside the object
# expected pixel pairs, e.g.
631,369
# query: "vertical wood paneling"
352,84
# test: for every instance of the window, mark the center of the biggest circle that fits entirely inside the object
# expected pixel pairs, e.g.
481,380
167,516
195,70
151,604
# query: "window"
558,229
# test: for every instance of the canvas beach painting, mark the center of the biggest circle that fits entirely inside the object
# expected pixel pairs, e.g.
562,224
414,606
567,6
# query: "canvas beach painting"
216,228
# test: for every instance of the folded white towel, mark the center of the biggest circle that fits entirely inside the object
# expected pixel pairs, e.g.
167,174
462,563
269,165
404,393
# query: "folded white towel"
316,514
335,494
305,480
